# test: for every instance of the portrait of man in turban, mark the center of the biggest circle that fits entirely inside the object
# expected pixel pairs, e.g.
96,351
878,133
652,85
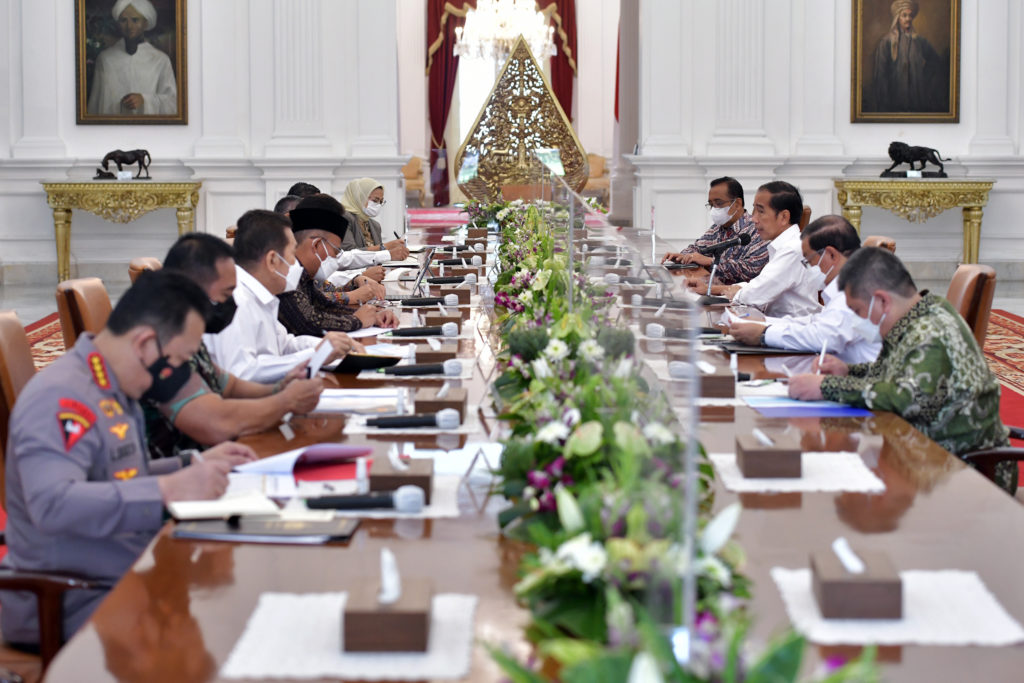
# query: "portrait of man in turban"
906,56
131,76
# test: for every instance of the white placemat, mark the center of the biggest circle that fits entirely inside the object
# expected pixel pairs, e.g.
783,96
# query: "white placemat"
292,635
948,607
356,424
467,373
836,471
743,389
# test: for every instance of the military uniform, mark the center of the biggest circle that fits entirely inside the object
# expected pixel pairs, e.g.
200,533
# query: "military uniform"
80,492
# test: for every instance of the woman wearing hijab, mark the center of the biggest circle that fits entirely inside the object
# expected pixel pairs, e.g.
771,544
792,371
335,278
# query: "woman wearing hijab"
363,200
131,76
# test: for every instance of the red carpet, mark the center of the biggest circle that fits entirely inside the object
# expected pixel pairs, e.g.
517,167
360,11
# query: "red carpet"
442,215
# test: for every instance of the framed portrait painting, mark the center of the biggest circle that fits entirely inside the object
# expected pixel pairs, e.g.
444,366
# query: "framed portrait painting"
906,61
131,62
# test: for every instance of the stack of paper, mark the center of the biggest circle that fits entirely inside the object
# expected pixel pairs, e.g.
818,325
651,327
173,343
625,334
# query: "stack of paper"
228,505
363,401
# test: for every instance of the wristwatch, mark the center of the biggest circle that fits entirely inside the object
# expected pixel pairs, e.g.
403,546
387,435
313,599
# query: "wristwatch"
761,340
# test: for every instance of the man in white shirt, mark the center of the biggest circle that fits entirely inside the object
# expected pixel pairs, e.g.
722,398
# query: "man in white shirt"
827,243
784,287
255,346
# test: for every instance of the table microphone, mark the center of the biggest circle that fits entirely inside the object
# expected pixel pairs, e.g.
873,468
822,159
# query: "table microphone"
422,301
475,261
446,418
447,280
657,331
668,303
446,330
407,499
450,368
725,244
451,300
611,278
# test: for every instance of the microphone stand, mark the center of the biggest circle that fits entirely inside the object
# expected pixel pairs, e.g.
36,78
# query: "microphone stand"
714,267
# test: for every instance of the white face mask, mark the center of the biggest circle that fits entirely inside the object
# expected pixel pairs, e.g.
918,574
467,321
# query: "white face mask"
868,330
327,268
818,278
720,215
292,277
372,209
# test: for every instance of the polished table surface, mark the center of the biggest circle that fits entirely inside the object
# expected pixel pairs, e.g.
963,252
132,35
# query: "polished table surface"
177,615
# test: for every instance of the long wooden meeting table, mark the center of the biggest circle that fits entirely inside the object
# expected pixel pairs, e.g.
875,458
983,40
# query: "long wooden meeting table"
179,612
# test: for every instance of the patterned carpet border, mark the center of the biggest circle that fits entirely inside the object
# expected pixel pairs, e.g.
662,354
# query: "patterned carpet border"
1004,349
46,340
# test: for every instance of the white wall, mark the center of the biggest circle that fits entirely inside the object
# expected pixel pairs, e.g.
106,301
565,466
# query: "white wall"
776,104
279,91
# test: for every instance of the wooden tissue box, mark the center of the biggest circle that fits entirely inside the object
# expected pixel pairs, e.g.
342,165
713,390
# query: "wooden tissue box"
459,271
875,594
718,384
476,233
436,319
461,292
425,354
626,293
758,461
425,400
401,627
384,476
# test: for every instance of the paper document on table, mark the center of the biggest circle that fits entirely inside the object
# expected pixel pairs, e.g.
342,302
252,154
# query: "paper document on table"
367,332
396,274
228,505
410,261
270,485
319,356
364,401
284,463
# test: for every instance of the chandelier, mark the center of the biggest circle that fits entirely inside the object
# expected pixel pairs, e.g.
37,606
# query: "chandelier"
492,29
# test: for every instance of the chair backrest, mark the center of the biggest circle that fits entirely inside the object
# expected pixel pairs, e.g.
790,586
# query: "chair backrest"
880,241
141,263
597,165
83,306
805,218
16,369
412,170
230,232
971,291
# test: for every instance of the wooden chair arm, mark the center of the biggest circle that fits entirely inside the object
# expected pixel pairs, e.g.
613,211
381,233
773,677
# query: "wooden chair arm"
49,589
985,461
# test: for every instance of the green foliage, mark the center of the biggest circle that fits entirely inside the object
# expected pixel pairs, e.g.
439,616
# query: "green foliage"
616,341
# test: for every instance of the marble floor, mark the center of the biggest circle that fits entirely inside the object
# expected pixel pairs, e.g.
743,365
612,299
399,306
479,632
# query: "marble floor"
35,301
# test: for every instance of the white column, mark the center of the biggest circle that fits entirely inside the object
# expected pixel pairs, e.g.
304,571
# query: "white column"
7,13
665,77
376,88
298,73
994,75
814,119
224,31
738,79
627,128
36,85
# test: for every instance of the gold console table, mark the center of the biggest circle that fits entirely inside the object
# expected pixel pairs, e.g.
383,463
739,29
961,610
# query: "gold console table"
918,199
120,202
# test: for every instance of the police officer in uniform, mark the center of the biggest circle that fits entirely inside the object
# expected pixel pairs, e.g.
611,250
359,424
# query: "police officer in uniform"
82,494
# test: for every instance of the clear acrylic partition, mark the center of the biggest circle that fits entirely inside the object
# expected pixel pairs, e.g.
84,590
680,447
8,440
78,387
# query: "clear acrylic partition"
670,368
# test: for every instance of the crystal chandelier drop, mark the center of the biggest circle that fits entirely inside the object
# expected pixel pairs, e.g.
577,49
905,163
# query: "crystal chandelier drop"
492,29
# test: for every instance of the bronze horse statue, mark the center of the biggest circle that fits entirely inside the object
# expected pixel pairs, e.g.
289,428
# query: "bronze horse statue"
136,156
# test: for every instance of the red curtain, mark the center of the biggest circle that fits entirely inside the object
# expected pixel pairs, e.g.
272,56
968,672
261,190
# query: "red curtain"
562,15
443,16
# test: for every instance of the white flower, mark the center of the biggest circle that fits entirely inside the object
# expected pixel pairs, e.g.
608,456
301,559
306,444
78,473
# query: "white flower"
541,281
569,514
516,202
541,369
644,669
553,432
591,351
523,275
571,417
503,214
526,298
556,350
624,368
584,554
717,532
529,492
714,569
658,434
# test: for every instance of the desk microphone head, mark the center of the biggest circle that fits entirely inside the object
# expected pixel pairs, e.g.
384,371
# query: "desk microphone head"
479,247
452,366
637,300
470,279
449,330
409,499
448,418
451,299
611,278
680,369
476,260
655,330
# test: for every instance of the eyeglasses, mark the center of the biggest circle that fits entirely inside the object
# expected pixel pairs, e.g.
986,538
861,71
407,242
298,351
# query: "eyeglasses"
807,264
337,250
382,202
719,204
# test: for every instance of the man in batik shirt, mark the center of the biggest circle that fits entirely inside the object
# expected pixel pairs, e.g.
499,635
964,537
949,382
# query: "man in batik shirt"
930,371
741,263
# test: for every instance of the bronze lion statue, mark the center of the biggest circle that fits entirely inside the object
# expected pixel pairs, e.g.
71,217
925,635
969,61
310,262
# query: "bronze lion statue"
902,153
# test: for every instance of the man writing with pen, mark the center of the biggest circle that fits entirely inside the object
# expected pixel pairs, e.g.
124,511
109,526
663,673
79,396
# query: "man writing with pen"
739,263
315,307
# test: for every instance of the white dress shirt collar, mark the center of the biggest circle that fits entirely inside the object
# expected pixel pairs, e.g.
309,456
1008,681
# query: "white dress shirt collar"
830,291
788,239
261,293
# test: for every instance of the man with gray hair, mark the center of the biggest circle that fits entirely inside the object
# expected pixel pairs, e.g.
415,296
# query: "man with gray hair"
131,76
930,371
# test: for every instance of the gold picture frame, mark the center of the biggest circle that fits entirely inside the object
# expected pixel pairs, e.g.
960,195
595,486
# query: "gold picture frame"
159,95
921,84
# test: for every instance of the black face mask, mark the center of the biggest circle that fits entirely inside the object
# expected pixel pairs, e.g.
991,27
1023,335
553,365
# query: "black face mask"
221,315
167,380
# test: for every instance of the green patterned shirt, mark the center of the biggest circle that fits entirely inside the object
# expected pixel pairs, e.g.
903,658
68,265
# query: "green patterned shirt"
932,373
